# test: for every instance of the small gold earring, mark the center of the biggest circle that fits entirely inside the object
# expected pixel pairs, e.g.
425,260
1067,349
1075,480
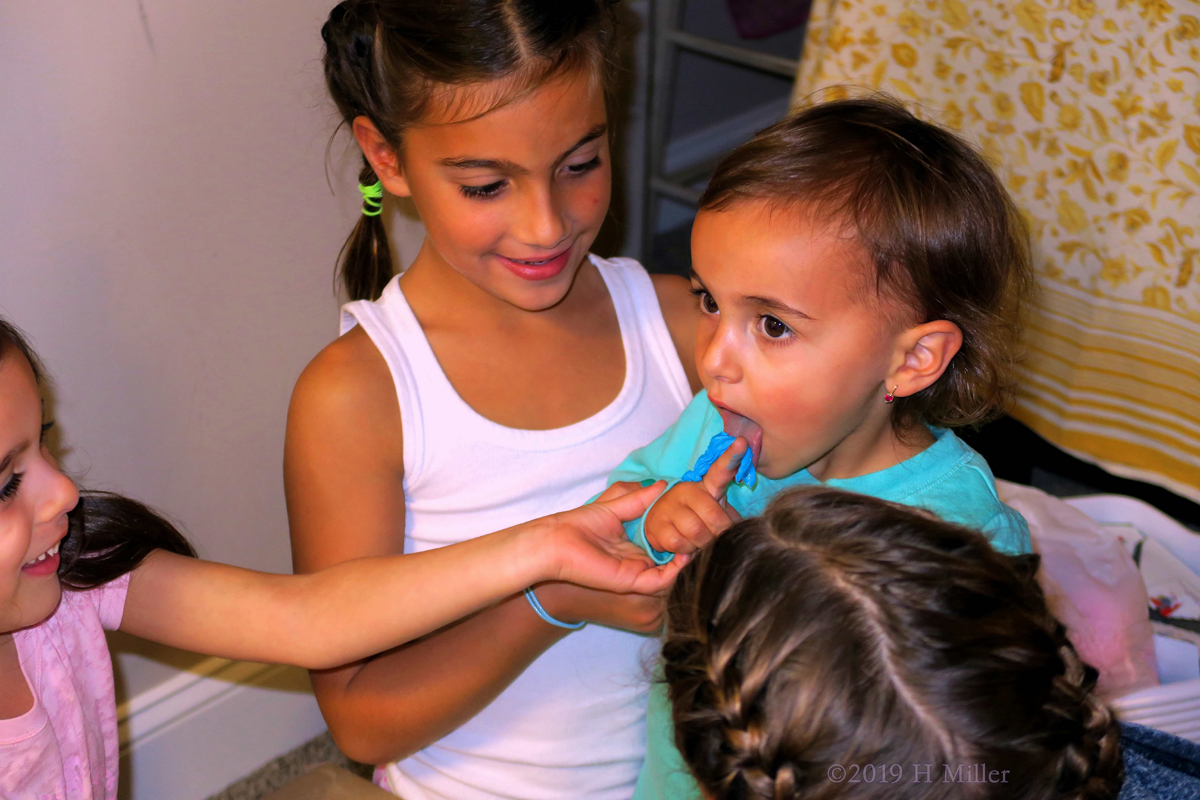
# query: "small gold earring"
889,397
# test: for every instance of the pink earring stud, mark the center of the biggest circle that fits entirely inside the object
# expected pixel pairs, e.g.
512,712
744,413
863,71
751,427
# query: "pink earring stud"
889,397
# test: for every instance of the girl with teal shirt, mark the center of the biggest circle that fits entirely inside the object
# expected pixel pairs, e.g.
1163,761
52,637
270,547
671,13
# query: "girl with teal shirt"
859,274
947,478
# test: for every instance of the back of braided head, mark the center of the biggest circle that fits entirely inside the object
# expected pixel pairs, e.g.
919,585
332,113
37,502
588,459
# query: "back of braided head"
843,647
390,60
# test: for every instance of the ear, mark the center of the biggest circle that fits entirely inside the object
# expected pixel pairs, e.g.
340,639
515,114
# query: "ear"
923,354
381,156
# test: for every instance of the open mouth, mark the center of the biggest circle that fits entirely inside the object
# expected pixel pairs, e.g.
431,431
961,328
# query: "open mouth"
44,564
746,428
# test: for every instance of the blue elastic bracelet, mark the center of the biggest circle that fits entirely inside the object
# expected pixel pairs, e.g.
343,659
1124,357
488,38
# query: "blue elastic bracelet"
541,612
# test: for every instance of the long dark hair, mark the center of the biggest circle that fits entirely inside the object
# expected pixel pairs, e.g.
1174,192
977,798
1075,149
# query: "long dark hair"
108,535
942,234
386,60
838,631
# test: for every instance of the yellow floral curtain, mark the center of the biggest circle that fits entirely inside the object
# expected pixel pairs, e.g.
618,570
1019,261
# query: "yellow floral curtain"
1090,109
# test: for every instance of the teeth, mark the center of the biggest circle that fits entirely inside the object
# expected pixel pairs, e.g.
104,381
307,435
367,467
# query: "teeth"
53,551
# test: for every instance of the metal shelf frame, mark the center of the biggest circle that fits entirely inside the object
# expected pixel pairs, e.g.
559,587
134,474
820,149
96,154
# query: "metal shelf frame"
667,39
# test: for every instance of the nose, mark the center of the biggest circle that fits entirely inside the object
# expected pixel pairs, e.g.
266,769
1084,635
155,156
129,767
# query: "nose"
541,221
62,494
719,358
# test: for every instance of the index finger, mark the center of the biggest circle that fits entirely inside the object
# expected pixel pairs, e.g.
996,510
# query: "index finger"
725,469
632,504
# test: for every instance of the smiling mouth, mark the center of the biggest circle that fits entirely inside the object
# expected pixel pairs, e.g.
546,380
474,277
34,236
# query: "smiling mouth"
537,269
538,263
51,553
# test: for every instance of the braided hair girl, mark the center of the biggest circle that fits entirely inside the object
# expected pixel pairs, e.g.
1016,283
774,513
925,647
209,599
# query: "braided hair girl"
842,646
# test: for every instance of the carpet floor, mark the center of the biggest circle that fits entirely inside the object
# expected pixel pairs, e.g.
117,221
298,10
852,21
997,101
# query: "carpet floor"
290,766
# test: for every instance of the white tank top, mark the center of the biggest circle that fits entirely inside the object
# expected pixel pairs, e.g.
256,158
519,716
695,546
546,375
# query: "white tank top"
573,724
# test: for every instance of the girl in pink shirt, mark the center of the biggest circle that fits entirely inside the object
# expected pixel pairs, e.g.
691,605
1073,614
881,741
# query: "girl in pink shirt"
72,567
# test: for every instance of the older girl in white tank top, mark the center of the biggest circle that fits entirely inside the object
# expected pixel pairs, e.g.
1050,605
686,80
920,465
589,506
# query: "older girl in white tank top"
571,724
500,378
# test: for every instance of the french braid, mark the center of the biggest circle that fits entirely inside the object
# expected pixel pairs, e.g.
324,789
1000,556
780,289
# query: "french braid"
839,630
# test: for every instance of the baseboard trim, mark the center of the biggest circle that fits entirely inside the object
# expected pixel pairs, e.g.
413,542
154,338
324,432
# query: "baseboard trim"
143,717
199,731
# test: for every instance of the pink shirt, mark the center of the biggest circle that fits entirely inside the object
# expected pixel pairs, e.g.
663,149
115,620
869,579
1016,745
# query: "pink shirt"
65,747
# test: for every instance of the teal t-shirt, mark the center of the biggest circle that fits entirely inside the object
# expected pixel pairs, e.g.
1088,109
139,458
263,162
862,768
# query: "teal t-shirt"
948,478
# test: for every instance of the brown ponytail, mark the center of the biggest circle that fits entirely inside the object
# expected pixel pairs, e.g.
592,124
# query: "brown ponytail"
109,535
386,60
840,632
365,263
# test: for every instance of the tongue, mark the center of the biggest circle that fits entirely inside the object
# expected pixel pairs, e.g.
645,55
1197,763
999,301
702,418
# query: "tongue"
737,425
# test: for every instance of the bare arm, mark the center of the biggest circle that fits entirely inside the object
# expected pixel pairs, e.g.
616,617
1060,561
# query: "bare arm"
343,467
679,310
350,610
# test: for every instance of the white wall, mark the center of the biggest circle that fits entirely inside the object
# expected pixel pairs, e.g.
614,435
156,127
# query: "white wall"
167,239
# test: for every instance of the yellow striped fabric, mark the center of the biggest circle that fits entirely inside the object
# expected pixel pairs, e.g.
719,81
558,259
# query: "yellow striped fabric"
1090,110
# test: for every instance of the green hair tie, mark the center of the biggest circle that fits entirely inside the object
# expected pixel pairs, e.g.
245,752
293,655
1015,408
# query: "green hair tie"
372,199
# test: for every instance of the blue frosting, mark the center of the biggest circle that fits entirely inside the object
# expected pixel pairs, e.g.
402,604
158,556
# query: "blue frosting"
717,445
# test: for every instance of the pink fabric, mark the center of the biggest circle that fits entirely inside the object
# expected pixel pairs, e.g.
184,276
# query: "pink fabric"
65,747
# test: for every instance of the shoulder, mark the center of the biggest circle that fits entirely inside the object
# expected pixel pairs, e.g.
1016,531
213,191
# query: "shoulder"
347,389
348,373
677,302
963,491
82,617
679,310
105,603
1008,531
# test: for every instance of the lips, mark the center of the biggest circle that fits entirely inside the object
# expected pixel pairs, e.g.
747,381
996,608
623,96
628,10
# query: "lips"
746,428
45,564
534,269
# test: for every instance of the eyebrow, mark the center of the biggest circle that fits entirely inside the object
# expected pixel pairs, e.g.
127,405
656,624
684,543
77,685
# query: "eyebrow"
769,302
775,305
504,165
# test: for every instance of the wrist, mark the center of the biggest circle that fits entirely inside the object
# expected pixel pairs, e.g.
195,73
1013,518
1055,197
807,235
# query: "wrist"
547,617
555,599
535,557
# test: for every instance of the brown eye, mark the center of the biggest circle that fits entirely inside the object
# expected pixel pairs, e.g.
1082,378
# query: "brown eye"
774,329
707,303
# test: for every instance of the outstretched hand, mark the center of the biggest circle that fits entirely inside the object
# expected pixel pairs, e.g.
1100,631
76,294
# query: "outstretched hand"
692,514
591,548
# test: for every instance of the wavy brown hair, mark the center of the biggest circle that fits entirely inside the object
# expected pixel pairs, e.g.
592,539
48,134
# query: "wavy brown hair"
839,630
941,232
388,60
108,535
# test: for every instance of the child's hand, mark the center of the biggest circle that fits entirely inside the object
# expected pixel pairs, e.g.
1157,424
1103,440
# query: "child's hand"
589,546
690,514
